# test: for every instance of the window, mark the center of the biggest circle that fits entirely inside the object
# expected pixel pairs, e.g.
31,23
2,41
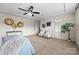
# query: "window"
43,25
48,24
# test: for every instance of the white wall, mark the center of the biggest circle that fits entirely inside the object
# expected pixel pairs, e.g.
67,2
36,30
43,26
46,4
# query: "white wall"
77,26
56,23
30,26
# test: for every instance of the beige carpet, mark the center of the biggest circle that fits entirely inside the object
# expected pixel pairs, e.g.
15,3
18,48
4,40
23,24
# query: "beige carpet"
45,46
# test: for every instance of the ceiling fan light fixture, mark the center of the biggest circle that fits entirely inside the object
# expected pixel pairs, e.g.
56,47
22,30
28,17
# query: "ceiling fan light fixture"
29,11
29,14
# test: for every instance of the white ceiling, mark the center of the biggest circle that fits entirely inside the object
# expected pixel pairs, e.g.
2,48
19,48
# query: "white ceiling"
46,10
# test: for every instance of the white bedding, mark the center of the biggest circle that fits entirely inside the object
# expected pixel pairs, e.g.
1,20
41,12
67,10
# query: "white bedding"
15,45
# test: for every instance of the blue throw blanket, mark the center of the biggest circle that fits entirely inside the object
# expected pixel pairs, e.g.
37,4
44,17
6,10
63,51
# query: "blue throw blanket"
17,45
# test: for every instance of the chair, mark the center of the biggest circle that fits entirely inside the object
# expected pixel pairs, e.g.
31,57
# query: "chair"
41,33
48,34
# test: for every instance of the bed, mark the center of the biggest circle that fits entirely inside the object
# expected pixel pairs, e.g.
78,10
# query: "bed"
16,45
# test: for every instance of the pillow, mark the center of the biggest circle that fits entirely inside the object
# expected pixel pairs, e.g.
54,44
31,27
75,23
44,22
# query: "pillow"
9,33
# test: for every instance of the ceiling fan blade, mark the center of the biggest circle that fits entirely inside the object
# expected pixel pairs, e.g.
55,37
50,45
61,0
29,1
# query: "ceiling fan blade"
30,8
22,9
25,13
36,12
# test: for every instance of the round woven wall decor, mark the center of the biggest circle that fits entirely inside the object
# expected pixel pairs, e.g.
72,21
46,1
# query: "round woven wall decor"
8,21
14,26
20,24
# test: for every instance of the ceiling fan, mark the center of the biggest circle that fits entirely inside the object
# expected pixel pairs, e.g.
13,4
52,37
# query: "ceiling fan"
29,10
